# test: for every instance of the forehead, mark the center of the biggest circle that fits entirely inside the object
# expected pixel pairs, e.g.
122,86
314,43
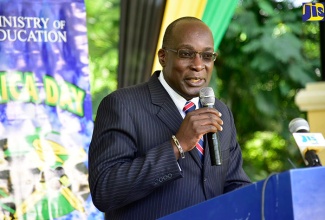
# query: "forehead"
192,33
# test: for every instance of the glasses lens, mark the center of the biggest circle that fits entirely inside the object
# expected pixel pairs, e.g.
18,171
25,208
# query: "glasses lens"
208,56
182,53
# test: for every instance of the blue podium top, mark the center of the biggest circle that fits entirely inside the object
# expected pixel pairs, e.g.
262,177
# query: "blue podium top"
295,194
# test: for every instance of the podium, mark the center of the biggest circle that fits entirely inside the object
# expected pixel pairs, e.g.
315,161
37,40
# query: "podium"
295,194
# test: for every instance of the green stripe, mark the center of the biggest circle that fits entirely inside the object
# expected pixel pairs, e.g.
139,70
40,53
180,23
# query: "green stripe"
217,15
4,206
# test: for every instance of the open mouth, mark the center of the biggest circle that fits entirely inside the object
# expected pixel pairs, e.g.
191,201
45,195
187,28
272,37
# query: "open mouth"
195,82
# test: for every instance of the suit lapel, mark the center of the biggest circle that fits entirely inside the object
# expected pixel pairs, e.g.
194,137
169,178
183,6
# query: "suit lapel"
168,112
196,157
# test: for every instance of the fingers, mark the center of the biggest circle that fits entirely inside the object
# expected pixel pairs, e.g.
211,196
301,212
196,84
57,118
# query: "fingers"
205,120
196,124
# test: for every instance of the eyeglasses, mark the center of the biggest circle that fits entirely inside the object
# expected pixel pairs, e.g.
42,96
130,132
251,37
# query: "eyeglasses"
190,54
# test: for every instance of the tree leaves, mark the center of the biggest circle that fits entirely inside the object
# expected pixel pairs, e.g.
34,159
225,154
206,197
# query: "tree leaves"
266,56
103,35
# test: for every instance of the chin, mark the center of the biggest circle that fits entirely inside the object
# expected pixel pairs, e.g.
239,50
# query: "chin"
193,93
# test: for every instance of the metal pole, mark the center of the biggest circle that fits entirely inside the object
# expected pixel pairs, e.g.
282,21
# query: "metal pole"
322,48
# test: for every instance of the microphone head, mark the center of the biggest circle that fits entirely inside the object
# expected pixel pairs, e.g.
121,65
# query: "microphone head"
298,125
207,97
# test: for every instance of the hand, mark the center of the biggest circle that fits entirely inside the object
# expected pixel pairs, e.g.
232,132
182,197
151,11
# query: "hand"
196,124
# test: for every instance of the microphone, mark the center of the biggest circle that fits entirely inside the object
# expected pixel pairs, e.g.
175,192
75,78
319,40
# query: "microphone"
207,99
308,143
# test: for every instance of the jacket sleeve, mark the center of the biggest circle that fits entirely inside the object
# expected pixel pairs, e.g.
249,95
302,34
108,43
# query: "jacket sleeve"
118,174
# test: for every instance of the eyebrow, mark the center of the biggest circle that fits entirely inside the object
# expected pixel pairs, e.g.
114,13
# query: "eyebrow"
183,46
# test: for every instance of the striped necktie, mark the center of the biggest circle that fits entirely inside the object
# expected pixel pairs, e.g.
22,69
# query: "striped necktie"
190,106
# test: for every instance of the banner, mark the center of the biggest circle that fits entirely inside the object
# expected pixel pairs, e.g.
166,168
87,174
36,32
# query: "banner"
45,110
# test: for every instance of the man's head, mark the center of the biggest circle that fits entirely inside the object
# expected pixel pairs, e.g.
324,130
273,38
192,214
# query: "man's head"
184,71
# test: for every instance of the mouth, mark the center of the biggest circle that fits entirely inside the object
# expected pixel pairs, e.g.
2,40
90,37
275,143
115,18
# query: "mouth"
195,82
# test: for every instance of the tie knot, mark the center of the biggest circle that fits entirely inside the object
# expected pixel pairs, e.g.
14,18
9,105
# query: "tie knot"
189,106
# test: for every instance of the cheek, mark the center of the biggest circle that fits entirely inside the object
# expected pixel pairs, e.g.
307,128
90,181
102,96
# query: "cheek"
175,67
209,69
208,78
179,66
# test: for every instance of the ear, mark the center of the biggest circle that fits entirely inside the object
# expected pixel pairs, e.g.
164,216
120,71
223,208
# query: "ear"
162,57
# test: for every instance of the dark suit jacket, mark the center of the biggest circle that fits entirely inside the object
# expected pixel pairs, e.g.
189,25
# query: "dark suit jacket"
133,172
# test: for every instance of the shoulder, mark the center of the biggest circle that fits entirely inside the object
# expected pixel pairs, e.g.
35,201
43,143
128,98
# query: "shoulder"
127,95
140,93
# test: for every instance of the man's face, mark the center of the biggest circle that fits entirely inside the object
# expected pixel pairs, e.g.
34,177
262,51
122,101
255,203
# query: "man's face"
188,76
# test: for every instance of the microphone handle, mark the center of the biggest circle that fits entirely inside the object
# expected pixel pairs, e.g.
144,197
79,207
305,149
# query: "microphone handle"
215,155
214,148
312,158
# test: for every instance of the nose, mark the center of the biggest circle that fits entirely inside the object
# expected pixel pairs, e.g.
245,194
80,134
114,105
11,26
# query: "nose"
197,63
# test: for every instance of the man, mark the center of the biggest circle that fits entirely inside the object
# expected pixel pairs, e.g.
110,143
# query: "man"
143,159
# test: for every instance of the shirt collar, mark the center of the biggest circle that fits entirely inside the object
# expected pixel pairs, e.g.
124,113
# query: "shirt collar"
177,99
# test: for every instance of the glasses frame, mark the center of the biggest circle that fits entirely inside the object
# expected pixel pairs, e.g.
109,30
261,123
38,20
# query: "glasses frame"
196,52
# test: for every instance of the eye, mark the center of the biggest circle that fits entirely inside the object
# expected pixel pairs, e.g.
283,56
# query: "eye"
207,55
186,53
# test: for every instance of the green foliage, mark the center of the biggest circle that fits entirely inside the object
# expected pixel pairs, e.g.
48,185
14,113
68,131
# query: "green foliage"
268,152
266,56
103,18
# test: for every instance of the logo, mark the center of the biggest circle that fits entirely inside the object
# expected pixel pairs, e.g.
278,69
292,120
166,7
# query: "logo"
313,12
309,139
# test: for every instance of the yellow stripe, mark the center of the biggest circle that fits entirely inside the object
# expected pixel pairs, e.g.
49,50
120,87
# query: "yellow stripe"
175,9
29,203
72,199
